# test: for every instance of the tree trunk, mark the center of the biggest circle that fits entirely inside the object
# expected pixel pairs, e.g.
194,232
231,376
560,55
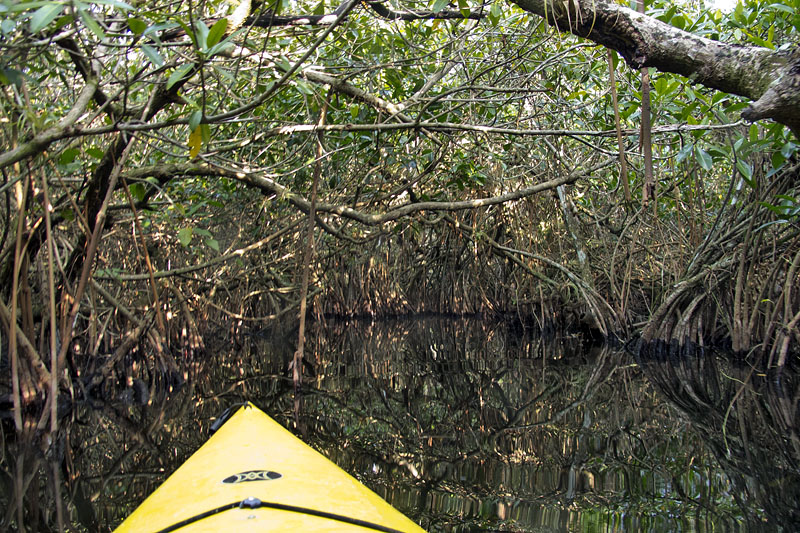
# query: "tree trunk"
770,78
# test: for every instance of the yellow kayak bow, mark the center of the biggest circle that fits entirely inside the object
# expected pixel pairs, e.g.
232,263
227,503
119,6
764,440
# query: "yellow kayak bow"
254,475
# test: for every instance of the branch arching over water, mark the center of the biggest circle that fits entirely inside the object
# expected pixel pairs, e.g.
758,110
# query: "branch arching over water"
269,185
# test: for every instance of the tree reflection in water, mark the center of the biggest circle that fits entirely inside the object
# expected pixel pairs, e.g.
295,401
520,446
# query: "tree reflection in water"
463,424
747,417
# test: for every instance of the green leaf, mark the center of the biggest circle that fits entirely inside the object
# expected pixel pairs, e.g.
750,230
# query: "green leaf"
217,48
108,272
213,244
196,207
439,5
45,15
304,88
703,158
790,199
684,152
753,132
194,119
202,34
92,24
97,153
782,7
395,79
788,149
137,26
494,13
746,170
63,20
25,6
189,31
8,25
185,236
777,160
10,76
154,30
137,191
179,74
68,156
283,64
463,6
153,55
217,32
755,39
783,211
275,6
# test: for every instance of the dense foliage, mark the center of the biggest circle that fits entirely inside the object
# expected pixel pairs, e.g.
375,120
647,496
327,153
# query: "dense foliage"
160,161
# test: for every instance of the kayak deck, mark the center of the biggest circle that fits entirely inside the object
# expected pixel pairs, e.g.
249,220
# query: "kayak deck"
254,475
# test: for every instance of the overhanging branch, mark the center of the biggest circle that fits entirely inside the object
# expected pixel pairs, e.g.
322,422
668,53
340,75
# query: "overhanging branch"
64,128
268,184
269,19
753,72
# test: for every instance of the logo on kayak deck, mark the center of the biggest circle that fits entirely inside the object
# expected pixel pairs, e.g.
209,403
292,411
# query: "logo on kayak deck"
252,475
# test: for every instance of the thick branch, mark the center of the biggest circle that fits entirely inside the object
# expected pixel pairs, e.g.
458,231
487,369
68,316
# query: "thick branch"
84,68
769,77
453,126
64,128
381,9
269,185
30,352
269,19
343,87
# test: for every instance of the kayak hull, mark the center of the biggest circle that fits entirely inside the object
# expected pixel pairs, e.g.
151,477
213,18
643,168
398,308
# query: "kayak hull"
254,475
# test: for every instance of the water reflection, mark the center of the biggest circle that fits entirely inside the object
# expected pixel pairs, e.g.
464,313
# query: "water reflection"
748,417
506,431
464,425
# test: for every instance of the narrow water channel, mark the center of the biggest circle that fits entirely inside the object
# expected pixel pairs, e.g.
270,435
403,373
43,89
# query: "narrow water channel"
462,424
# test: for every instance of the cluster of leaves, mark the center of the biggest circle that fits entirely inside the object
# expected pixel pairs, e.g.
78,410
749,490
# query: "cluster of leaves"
506,70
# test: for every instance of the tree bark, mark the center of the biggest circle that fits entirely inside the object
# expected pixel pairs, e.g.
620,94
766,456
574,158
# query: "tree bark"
770,78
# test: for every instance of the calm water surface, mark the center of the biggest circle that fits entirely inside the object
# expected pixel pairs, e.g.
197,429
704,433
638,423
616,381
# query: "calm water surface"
464,425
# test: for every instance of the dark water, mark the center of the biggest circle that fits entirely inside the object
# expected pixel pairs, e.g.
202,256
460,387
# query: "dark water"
464,425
